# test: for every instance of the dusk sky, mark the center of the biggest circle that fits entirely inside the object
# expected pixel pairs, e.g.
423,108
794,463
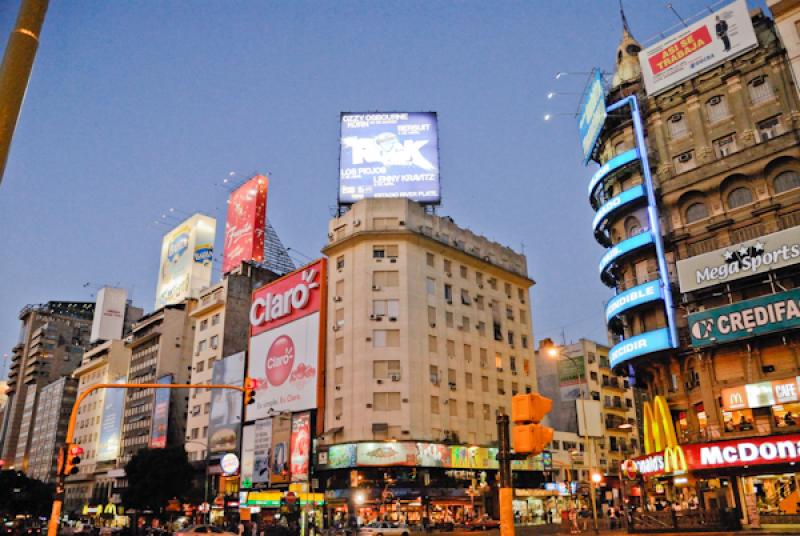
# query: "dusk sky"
136,107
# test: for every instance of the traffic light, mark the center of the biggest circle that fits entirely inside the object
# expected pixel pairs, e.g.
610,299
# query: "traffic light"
250,385
72,459
527,412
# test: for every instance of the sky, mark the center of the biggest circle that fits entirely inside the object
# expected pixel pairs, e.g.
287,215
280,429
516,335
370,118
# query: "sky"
137,107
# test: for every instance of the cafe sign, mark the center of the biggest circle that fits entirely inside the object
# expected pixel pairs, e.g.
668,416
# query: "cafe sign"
761,394
757,316
745,259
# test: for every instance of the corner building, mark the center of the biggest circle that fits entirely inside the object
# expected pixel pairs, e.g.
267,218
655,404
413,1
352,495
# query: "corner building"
429,336
721,432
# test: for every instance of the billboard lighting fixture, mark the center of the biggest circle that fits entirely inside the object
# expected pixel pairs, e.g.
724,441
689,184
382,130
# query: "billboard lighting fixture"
550,116
570,73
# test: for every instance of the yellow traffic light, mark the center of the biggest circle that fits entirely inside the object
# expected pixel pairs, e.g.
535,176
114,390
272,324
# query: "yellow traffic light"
250,385
527,411
72,458
529,408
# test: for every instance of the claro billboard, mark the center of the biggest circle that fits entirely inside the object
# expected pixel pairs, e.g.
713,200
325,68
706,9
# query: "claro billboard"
706,43
389,155
286,337
245,224
186,254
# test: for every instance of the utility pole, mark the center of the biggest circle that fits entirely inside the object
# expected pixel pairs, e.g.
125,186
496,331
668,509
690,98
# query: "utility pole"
16,70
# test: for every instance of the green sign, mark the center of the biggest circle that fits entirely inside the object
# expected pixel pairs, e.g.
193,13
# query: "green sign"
765,314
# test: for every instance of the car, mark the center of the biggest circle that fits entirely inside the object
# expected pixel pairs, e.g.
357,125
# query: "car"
204,529
483,523
384,528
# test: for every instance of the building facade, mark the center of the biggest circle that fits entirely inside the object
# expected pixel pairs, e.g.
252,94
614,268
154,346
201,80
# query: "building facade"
701,224
52,417
53,337
429,336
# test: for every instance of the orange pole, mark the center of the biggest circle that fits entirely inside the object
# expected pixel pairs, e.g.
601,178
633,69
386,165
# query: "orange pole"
55,514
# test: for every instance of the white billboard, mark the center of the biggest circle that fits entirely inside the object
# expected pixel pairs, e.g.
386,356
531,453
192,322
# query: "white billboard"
186,255
109,314
718,37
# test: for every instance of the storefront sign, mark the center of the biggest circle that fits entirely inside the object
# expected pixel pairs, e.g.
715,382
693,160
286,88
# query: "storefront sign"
229,464
745,259
646,343
634,297
757,316
761,394
592,114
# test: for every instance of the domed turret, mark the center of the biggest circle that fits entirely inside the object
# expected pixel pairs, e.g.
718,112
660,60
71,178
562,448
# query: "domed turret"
628,69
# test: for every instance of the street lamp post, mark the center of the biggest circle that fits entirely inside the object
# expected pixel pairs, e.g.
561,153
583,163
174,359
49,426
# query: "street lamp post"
555,352
205,482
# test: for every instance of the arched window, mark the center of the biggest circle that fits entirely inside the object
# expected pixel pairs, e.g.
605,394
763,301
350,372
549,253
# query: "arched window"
739,197
632,226
695,212
787,180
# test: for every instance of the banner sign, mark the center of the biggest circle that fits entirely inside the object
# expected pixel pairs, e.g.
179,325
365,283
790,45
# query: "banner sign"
748,318
301,446
246,223
113,408
705,44
279,454
389,155
745,259
624,199
571,378
226,405
248,456
634,297
592,114
186,254
160,420
761,394
612,165
262,446
628,245
646,343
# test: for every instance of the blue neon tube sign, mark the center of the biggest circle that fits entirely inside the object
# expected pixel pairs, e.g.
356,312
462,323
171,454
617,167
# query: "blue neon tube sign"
612,165
646,343
617,202
633,297
623,248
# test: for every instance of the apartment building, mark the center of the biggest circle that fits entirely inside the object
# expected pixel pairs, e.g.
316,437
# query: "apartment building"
52,417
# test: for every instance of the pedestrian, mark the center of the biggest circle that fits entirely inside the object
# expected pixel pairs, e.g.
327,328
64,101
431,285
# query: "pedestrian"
573,521
612,518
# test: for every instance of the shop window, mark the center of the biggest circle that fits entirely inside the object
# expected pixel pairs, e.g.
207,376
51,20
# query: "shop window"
786,416
738,421
702,418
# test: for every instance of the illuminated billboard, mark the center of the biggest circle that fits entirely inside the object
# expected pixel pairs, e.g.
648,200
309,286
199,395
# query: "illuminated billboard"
389,155
113,405
159,423
592,114
226,405
244,227
186,254
301,447
700,46
285,339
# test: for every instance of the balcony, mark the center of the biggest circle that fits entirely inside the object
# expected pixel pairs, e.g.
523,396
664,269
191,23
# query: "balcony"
614,383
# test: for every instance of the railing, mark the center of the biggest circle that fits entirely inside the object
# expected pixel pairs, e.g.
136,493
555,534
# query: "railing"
686,520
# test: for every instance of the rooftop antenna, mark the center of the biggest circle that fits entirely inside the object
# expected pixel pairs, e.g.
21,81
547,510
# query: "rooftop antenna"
669,6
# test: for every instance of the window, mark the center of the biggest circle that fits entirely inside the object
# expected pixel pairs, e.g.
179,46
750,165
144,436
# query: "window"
739,197
678,126
201,366
214,342
195,433
484,358
465,299
695,212
448,267
448,293
386,338
429,259
380,252
451,348
512,362
338,376
470,410
509,312
485,384
467,353
206,408
632,226
787,180
201,345
203,325
479,302
511,338
430,285
433,370
215,319
684,162
435,405
619,147
453,405
432,316
390,308
501,387
717,109
725,146
464,323
498,361
769,128
432,344
448,319
479,279
760,90
383,368
523,319
487,412
340,262
386,401
339,344
468,380
524,341
385,279
738,421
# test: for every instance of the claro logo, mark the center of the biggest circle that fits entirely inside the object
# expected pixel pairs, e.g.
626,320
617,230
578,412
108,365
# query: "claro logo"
272,307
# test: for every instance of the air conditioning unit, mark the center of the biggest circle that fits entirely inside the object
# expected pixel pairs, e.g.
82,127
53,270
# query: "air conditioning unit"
380,382
401,222
373,317
434,379
337,299
452,386
392,319
395,377
369,406
449,274
686,157
501,391
338,387
433,324
336,327
480,285
393,260
356,223
338,417
375,287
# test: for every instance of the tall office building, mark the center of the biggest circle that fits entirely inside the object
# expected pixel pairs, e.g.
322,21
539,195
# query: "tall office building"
429,336
52,417
53,337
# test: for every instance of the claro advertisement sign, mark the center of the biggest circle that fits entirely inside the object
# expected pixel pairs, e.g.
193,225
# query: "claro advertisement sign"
389,155
286,335
710,41
245,224
746,259
186,254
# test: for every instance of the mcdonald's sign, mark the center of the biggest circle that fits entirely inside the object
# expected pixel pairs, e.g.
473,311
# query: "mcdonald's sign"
663,454
674,460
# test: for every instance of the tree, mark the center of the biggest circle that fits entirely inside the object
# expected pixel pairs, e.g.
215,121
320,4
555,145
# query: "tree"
22,495
156,476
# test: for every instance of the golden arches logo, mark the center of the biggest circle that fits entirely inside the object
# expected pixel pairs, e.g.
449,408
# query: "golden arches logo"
659,435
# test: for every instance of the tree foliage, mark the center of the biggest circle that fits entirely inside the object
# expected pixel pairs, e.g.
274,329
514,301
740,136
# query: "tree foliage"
157,475
22,495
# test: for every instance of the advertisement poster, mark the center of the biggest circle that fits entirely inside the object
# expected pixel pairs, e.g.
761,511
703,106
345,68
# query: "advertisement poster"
262,445
592,114
248,455
109,314
376,454
433,455
389,155
284,345
160,420
246,223
113,406
186,254
571,378
716,38
226,405
279,456
301,446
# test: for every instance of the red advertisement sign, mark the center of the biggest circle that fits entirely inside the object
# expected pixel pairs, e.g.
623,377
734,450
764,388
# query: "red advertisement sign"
680,49
244,228
289,298
301,446
734,398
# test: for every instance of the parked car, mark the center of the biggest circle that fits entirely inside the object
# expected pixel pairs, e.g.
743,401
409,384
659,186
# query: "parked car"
483,523
384,528
197,530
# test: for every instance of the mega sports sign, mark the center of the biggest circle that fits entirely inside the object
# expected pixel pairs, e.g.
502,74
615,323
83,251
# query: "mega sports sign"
735,453
285,331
